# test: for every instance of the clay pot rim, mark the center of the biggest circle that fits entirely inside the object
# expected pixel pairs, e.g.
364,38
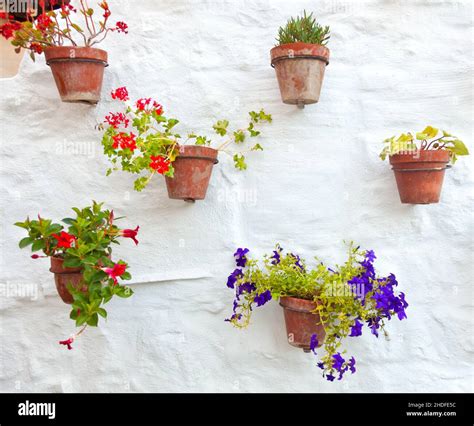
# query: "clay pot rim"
423,158
84,54
292,301
280,52
211,153
64,269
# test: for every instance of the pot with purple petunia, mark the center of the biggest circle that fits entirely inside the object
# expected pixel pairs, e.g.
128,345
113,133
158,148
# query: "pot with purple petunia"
322,306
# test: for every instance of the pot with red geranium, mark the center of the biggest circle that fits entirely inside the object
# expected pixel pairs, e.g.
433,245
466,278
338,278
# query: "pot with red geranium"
322,306
80,253
140,139
419,167
78,70
300,59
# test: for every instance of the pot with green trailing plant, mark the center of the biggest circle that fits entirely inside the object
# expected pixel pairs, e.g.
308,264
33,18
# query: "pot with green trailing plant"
419,167
141,140
80,251
300,58
67,37
322,306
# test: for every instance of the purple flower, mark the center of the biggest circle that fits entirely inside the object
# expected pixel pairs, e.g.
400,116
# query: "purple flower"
330,377
356,329
314,343
298,263
351,365
338,361
245,288
276,258
234,317
373,324
240,258
370,256
321,365
263,298
232,279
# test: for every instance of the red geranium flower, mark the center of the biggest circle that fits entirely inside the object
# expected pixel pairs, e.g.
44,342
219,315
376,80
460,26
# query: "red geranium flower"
121,27
143,103
130,233
115,119
160,164
117,271
158,108
124,140
121,94
65,240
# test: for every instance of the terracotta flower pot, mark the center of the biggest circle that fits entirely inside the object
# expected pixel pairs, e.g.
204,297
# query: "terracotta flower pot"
78,72
420,175
192,172
301,323
64,276
300,71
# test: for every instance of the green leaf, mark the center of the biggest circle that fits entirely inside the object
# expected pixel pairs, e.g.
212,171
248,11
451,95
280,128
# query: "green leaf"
38,245
239,162
93,320
221,127
25,242
72,262
77,27
459,147
102,312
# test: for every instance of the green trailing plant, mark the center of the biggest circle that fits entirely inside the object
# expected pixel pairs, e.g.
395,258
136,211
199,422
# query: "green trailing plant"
428,139
85,242
303,29
142,140
346,297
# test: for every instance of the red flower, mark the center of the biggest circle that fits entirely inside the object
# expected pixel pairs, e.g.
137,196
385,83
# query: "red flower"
7,30
130,233
65,240
5,15
36,47
160,164
121,27
107,11
43,22
115,119
117,271
124,140
143,103
67,342
121,94
158,108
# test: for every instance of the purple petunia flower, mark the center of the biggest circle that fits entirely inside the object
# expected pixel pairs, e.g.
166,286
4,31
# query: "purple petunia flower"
298,263
338,361
245,288
330,377
314,343
263,298
351,365
356,329
240,257
233,277
276,258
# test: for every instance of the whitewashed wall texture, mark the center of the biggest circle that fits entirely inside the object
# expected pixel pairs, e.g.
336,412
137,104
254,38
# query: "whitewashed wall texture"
395,66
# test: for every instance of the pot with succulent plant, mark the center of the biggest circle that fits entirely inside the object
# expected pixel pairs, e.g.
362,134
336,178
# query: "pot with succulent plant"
78,70
300,59
322,306
140,139
419,167
85,275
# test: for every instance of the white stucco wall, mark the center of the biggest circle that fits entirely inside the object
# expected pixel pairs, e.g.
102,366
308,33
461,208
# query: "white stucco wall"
395,66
